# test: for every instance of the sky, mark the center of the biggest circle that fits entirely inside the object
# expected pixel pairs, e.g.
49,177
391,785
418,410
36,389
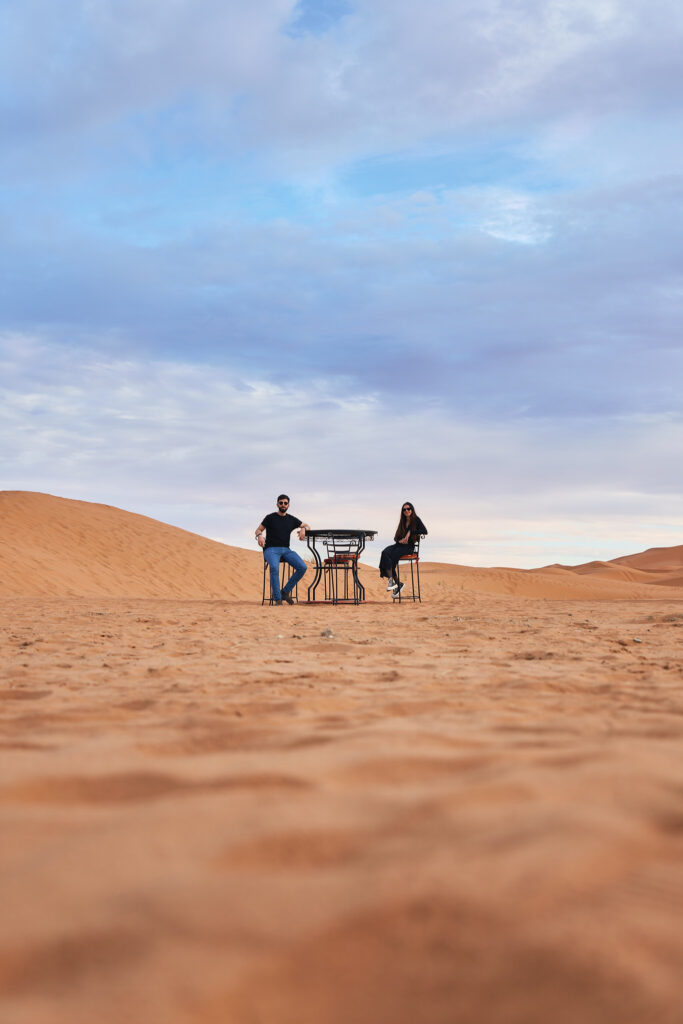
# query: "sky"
360,251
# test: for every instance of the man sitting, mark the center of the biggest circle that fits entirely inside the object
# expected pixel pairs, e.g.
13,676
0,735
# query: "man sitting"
278,527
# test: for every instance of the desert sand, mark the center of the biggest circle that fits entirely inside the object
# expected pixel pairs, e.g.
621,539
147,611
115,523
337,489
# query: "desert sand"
213,812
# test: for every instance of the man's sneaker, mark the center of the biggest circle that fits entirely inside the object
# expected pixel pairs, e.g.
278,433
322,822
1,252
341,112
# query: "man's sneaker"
390,584
398,588
277,602
287,597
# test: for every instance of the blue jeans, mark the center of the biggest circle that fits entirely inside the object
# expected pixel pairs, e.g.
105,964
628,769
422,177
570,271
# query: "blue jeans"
273,557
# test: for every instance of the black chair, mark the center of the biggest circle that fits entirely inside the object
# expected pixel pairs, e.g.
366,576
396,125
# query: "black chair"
414,560
340,571
286,571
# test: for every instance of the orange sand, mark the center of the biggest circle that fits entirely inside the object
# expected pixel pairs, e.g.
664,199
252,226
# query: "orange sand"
462,811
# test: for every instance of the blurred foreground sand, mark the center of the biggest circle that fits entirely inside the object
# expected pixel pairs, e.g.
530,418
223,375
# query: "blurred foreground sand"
210,812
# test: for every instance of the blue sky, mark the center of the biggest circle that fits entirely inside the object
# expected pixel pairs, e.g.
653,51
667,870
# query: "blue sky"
357,251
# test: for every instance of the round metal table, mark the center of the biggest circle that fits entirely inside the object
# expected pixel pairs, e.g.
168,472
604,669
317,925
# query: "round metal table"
344,548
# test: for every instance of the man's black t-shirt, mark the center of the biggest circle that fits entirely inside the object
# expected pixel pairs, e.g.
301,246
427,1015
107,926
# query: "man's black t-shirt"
279,528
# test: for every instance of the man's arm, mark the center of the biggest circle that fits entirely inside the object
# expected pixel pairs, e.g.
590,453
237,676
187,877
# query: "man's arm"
302,530
259,535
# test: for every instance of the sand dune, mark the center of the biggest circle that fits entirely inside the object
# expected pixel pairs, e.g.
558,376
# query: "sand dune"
671,579
554,585
661,566
57,546
654,559
54,546
610,571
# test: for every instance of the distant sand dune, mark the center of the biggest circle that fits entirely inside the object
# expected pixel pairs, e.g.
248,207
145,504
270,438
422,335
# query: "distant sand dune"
670,580
610,571
54,546
554,584
654,560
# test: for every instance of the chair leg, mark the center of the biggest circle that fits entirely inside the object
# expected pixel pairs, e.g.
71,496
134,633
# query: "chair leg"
330,578
285,576
397,577
338,589
266,576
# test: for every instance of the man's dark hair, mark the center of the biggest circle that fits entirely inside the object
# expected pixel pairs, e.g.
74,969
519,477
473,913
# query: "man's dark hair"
282,497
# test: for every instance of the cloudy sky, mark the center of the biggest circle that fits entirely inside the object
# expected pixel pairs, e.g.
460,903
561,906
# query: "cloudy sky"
357,250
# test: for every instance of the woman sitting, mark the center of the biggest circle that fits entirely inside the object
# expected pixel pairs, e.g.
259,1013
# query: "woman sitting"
410,529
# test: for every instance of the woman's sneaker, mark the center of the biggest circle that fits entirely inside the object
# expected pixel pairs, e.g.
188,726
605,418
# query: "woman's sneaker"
398,588
390,584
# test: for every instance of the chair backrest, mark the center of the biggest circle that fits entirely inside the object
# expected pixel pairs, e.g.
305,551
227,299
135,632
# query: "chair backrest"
415,553
343,549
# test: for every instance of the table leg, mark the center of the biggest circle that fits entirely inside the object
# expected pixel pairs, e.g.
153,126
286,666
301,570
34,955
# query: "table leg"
318,567
357,582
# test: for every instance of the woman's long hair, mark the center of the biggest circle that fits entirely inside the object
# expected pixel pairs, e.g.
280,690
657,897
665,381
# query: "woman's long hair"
402,527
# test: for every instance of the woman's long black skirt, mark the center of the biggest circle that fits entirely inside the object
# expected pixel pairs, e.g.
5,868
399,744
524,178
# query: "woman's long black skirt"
390,556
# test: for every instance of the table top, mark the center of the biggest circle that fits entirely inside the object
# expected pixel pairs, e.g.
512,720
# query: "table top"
370,534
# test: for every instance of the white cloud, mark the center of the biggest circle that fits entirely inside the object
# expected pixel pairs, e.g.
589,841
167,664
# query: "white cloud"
489,299
207,450
382,78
